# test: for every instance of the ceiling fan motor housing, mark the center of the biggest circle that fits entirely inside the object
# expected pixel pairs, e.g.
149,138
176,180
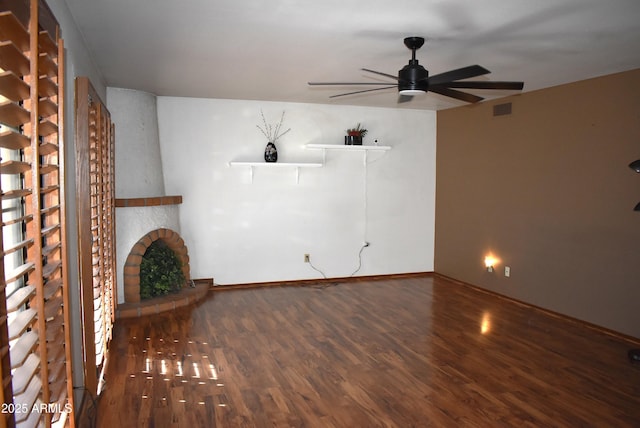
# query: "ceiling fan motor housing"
413,77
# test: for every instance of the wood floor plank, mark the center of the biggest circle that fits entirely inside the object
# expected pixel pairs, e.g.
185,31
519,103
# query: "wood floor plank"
409,352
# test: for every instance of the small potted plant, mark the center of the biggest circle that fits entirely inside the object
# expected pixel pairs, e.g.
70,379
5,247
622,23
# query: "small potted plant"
354,135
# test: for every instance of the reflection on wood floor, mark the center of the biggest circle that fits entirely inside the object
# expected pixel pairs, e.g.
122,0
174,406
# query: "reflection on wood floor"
411,352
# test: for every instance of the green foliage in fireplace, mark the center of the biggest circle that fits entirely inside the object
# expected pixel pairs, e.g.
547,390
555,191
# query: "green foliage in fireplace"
160,271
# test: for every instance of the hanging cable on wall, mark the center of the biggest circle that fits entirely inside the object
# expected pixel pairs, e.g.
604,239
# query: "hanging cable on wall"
365,188
365,216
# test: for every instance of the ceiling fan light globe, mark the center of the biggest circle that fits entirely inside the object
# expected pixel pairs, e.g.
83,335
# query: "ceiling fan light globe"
411,92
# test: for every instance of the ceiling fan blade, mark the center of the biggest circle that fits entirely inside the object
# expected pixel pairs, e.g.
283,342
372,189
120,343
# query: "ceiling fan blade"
463,96
458,74
404,98
366,90
345,83
484,85
380,73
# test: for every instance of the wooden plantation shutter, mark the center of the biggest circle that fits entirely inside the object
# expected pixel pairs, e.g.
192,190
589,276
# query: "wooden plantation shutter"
35,350
35,364
96,226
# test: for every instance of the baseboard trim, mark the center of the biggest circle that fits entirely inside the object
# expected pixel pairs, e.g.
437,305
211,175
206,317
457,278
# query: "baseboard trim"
549,312
320,281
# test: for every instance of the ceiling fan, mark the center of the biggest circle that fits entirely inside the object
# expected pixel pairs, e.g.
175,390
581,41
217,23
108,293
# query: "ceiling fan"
414,79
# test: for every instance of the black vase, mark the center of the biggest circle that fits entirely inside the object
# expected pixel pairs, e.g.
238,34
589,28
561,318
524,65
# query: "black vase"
353,140
270,153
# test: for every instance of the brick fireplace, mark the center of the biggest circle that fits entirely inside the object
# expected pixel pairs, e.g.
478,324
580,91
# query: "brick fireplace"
132,263
140,222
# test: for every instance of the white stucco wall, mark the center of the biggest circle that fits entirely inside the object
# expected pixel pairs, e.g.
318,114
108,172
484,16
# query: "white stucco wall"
240,231
138,164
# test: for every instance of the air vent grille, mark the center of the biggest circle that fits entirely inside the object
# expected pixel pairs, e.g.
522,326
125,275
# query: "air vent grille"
502,109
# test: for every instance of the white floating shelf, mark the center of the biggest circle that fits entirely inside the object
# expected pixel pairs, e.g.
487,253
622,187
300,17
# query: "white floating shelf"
276,164
262,164
347,147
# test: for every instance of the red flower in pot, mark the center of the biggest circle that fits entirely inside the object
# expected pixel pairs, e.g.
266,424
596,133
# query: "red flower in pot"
354,135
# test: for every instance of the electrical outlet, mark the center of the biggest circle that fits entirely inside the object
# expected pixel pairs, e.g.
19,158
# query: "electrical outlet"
306,258
507,271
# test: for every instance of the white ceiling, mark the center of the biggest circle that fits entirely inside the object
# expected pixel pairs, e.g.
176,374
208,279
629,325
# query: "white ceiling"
269,50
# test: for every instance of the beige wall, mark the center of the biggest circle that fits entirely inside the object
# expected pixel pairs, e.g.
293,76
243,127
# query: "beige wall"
547,189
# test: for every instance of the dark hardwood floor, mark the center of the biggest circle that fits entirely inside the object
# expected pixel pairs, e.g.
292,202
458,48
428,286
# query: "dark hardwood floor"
410,352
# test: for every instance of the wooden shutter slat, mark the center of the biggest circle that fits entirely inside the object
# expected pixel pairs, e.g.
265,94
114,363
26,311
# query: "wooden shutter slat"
47,87
50,268
53,329
46,107
57,372
12,29
13,115
12,58
14,167
47,43
50,229
48,168
48,148
26,218
17,193
47,128
52,287
23,374
10,139
19,272
21,349
26,399
21,323
50,210
19,297
13,87
47,250
55,354
49,189
52,307
32,421
47,65
18,246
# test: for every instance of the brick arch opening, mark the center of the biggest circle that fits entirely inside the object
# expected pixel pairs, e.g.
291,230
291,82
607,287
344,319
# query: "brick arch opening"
132,264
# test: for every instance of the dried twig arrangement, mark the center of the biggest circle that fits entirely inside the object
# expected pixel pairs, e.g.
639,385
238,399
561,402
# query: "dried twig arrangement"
272,132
